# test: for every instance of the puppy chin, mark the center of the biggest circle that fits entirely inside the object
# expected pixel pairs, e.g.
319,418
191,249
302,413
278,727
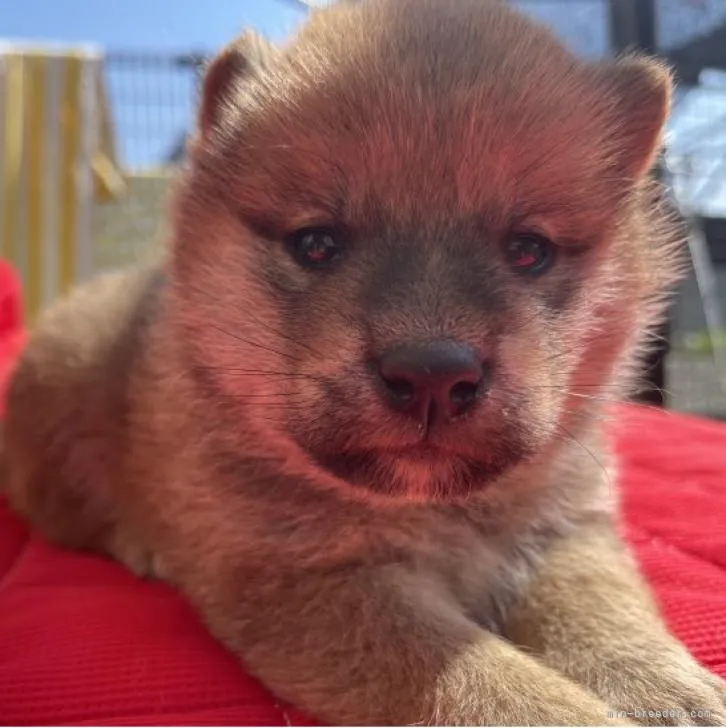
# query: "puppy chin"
418,479
416,475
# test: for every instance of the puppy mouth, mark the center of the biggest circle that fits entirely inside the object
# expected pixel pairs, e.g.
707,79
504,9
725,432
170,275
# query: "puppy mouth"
424,469
395,456
422,451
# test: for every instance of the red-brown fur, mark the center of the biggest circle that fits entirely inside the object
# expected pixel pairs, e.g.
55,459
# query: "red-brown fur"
213,418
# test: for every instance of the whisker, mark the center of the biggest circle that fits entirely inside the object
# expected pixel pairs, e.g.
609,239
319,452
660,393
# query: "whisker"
287,337
260,400
255,344
595,398
588,415
257,373
592,455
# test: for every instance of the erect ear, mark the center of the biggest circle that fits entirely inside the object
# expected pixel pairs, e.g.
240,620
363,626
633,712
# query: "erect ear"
237,63
638,93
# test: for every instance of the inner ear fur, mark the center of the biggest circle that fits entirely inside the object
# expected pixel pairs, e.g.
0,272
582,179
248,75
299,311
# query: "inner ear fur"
237,63
638,93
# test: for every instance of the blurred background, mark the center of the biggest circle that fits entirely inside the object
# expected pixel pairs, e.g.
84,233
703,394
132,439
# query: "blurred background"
97,98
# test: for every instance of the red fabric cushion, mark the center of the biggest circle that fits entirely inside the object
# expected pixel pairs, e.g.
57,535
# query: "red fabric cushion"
12,332
84,642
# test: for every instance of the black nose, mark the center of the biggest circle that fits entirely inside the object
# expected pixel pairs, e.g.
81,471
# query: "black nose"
435,378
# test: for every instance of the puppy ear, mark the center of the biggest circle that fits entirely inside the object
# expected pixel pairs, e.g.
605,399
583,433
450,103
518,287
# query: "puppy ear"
235,65
638,95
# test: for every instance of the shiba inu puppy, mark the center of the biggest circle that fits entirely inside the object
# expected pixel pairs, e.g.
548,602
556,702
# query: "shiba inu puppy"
354,413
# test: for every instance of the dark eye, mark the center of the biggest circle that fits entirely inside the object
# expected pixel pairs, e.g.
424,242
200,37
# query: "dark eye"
315,247
530,253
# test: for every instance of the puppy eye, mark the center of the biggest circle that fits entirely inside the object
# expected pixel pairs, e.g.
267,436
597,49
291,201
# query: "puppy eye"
315,247
530,253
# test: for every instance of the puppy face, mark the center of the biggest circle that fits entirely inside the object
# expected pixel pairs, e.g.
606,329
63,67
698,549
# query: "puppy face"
417,243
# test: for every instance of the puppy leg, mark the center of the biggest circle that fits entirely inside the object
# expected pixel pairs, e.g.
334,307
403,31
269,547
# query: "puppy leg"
383,647
65,428
590,615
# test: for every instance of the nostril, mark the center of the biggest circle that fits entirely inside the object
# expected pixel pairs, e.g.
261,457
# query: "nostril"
463,394
401,389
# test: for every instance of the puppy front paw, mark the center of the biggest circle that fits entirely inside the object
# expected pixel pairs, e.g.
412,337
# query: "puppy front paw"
670,688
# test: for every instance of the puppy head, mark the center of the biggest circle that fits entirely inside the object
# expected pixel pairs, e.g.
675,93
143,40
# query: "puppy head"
419,241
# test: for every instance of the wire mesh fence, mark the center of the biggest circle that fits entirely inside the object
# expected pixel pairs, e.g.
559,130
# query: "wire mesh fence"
153,98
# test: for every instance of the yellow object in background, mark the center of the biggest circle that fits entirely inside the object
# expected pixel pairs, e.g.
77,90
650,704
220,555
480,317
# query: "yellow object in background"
56,160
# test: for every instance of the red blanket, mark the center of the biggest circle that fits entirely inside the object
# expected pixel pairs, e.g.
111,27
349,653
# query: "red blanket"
84,642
